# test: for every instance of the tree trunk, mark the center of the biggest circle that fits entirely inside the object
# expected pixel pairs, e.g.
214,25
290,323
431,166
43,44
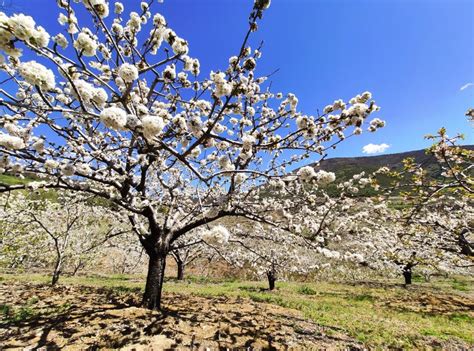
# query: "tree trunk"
181,267
467,248
58,265
77,267
154,282
55,278
427,277
271,280
56,272
407,274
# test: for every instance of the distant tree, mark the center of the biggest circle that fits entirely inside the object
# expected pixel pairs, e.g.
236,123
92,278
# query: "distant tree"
122,254
385,241
270,252
66,232
187,250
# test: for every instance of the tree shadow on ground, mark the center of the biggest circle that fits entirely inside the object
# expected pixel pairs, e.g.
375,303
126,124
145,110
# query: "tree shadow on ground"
254,289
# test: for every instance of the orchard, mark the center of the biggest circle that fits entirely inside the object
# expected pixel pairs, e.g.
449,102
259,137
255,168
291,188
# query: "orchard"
135,178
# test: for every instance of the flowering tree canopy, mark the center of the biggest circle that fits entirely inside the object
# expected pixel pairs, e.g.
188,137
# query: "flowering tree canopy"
117,108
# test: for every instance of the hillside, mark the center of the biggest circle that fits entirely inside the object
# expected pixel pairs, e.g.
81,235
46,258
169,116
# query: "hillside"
346,167
364,163
12,179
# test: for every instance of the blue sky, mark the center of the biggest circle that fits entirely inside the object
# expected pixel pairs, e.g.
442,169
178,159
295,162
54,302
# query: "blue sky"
413,55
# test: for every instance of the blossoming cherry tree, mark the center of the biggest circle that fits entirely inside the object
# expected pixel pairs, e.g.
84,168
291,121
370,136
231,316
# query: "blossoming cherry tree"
116,107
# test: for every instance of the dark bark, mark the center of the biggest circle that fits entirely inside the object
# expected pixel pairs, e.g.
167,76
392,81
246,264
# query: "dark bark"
407,274
79,266
157,247
467,248
180,264
154,281
56,272
181,267
271,280
55,277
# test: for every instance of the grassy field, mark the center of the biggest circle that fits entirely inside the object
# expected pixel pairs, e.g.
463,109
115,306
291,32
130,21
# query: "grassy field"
379,314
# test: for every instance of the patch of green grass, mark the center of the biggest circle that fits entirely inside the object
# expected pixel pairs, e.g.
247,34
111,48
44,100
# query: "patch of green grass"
118,277
5,310
27,278
249,288
363,297
306,290
32,300
126,281
461,317
460,285
16,315
418,278
64,307
23,314
204,280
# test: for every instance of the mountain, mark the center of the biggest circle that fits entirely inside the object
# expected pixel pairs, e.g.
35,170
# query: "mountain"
363,163
346,167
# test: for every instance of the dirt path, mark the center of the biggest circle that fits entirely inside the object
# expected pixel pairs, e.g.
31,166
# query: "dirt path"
79,318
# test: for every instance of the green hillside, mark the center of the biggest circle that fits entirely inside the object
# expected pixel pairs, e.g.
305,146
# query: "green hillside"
8,179
12,180
346,167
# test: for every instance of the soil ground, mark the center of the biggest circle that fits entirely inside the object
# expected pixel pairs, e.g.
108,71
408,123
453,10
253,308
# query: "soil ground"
89,313
78,318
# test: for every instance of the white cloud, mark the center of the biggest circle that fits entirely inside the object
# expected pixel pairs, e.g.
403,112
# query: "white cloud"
374,148
465,86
